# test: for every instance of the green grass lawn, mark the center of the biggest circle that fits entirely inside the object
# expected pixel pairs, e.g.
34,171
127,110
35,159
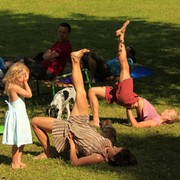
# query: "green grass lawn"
29,27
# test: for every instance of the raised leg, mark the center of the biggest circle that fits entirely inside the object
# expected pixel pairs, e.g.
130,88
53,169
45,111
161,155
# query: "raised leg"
81,103
122,56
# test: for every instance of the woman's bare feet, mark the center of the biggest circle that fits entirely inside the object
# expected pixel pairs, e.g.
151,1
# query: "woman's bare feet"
95,123
123,29
76,55
15,166
23,165
18,166
41,156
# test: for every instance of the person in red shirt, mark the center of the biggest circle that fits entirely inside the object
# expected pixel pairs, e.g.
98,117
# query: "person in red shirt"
56,58
47,65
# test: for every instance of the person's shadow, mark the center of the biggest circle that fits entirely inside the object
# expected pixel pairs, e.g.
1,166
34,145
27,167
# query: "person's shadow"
5,159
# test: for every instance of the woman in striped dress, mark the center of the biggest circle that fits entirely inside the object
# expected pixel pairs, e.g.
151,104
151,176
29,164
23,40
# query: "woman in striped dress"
77,134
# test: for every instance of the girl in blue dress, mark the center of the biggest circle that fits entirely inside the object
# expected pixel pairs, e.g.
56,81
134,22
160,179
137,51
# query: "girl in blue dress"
17,131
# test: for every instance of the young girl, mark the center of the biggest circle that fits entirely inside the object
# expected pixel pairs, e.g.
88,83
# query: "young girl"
17,130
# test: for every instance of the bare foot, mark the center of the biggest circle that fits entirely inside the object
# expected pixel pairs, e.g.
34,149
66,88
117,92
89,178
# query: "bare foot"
123,29
95,123
41,156
76,55
18,166
23,165
15,166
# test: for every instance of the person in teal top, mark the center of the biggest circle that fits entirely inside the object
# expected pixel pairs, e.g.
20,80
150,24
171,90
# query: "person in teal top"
115,66
101,70
3,67
2,64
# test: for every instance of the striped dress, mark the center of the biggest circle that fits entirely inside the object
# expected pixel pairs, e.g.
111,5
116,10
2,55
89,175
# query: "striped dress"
86,137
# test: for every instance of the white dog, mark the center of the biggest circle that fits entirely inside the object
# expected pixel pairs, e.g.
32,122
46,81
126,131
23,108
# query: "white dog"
60,102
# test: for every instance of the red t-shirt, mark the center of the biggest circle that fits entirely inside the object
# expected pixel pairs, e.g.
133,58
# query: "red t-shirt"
57,66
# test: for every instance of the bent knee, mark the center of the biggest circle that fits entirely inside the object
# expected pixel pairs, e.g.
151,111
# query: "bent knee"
97,91
34,122
92,91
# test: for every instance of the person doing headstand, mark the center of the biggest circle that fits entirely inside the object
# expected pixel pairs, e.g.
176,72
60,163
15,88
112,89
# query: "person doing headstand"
124,95
77,133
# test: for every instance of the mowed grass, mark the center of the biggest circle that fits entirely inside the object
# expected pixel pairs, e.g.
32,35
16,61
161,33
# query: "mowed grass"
29,27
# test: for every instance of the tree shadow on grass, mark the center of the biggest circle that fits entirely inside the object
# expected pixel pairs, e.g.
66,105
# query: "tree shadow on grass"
157,46
29,33
151,147
151,152
5,159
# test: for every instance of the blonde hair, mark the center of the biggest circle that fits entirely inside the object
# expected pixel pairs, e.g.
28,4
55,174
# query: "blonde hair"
175,117
14,73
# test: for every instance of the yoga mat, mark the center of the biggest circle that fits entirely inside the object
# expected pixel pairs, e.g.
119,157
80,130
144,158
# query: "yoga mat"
141,71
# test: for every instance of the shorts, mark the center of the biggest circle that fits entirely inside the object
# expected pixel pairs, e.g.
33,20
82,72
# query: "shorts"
110,94
123,94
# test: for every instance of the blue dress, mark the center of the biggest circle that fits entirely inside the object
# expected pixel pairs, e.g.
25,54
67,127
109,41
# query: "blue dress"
17,129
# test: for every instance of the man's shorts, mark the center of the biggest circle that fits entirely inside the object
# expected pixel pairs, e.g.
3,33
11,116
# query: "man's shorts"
123,94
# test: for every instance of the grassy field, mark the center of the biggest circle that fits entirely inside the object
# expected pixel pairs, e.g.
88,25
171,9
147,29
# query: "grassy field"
29,27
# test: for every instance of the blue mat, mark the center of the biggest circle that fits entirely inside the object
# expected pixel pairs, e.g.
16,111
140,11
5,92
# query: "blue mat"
141,71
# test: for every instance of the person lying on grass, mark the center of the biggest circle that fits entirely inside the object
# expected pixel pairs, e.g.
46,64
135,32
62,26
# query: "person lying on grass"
123,95
77,134
101,70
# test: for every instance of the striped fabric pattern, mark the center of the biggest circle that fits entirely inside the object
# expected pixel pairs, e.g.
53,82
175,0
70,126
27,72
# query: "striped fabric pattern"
86,137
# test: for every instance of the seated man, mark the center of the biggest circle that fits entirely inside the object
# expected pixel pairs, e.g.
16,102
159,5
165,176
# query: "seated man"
52,63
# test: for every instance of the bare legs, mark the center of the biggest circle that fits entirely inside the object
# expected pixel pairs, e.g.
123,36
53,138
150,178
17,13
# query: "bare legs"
42,126
125,72
16,157
101,91
93,93
81,103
